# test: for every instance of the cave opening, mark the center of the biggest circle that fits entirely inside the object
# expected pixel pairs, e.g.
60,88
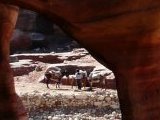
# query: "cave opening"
38,43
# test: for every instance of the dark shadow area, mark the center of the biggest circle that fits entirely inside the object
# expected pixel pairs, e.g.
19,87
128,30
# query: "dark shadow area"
35,33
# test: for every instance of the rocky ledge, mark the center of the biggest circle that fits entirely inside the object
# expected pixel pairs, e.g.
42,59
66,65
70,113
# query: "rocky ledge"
74,105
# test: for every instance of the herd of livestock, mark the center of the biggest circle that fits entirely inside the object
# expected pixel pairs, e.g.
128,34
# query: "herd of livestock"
86,79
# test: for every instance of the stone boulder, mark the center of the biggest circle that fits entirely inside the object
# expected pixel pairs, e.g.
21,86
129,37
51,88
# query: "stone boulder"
105,73
97,72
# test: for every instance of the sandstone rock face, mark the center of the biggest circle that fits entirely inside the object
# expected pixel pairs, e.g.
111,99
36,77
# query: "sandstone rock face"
11,105
135,27
31,26
26,63
26,20
20,41
46,58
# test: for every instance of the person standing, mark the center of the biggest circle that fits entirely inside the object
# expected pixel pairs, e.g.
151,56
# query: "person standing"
78,77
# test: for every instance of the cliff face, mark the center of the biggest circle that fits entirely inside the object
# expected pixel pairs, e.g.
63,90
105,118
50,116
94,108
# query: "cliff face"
34,32
26,20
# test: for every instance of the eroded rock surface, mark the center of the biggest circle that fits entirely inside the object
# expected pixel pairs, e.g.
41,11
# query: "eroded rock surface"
70,61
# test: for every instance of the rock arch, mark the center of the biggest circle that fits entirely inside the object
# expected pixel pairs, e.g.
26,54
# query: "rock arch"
122,34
